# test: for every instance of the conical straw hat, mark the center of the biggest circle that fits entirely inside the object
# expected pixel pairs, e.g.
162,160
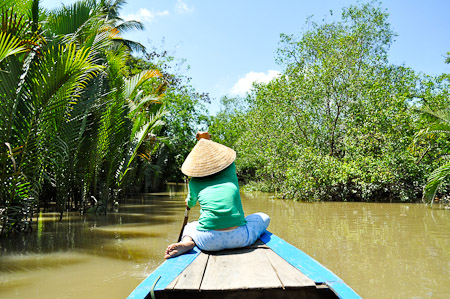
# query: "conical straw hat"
206,158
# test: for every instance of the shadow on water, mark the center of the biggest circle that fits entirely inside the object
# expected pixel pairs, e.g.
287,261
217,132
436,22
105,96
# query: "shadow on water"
138,217
31,262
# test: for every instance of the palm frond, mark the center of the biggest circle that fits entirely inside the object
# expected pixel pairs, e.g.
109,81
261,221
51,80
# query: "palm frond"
130,25
139,104
134,83
112,8
9,45
5,4
69,18
16,106
438,116
138,139
433,130
435,180
132,45
64,70
13,23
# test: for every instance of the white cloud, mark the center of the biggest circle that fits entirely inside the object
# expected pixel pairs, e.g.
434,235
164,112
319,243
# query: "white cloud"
182,7
244,84
145,15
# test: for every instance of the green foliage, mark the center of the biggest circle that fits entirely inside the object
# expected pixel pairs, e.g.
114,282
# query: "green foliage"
337,123
184,111
435,137
225,126
71,123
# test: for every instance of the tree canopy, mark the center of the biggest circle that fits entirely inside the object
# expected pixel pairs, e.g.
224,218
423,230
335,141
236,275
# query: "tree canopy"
337,124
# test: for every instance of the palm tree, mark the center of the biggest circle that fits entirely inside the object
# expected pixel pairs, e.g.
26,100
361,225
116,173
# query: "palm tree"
105,143
145,121
38,85
111,9
439,126
67,120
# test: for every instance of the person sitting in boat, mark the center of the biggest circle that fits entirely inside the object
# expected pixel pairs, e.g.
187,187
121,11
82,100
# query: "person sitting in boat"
214,184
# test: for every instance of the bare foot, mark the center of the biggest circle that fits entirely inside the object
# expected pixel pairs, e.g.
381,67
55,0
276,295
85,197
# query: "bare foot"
179,248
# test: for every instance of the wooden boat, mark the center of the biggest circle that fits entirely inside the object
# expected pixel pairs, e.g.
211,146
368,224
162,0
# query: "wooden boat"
270,268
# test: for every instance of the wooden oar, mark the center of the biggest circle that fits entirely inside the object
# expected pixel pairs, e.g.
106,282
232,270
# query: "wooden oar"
199,136
186,216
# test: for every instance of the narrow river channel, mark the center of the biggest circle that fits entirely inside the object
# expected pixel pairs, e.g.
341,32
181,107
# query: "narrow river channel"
380,250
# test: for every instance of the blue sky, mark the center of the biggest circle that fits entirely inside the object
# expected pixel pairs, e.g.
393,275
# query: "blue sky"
227,44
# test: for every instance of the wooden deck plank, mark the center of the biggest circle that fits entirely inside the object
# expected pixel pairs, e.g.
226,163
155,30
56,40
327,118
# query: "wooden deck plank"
174,282
244,272
239,269
290,276
299,259
307,265
191,278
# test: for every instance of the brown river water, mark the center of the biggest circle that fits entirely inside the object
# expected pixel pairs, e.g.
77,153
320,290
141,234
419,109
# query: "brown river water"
381,250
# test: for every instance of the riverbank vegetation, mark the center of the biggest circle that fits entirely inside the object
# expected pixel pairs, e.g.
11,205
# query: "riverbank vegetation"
88,117
79,115
340,122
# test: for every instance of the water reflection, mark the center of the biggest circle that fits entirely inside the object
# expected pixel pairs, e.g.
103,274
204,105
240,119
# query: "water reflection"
380,250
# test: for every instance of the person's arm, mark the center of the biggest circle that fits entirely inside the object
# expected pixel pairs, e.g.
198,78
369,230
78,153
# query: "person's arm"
191,198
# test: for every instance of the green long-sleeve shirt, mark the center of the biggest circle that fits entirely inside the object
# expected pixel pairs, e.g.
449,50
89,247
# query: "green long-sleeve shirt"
220,202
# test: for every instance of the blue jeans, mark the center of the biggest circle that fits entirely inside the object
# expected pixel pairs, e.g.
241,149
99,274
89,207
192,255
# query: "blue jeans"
241,236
